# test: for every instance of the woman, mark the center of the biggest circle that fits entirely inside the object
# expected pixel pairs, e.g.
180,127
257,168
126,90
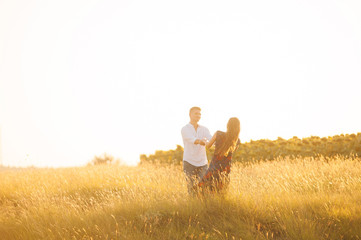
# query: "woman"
216,177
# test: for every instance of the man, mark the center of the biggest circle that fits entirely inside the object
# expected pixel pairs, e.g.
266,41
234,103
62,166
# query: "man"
195,138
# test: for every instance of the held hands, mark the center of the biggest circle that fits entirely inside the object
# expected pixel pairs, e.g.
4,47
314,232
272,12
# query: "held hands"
202,142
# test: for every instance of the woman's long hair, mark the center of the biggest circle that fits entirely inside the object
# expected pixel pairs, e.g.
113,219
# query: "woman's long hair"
231,137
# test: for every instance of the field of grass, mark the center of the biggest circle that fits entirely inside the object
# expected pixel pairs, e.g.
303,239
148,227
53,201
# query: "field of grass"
283,199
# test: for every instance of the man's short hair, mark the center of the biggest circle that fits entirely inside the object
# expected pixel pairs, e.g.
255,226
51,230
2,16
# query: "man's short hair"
194,108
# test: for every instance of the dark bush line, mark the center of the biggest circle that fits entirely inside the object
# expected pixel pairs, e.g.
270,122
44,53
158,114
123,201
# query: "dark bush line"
347,145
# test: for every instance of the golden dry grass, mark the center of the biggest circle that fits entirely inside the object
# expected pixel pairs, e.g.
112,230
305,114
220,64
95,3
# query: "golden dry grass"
283,199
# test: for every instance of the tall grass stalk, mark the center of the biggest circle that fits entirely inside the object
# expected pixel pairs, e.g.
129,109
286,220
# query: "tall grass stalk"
283,199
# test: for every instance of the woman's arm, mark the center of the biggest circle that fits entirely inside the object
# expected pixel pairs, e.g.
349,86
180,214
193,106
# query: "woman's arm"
213,139
237,145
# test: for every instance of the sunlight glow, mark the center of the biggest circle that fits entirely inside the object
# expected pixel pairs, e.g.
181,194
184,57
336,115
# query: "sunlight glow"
120,76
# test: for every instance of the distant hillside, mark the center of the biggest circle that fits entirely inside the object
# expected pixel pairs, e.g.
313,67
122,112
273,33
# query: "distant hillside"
347,145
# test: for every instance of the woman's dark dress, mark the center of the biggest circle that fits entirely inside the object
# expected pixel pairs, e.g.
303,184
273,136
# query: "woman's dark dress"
216,177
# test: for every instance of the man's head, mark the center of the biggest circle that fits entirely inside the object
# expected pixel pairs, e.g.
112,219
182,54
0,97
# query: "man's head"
195,114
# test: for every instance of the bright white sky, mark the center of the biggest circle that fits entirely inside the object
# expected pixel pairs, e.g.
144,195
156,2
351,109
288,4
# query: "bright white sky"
82,77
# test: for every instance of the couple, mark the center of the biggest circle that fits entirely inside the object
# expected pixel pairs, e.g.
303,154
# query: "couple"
201,178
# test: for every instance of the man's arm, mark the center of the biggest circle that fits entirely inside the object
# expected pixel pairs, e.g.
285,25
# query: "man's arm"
188,137
208,135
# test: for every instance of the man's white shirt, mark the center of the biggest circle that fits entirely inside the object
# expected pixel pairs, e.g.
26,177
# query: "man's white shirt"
195,154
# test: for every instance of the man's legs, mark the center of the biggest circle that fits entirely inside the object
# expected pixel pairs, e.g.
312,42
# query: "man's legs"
193,175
